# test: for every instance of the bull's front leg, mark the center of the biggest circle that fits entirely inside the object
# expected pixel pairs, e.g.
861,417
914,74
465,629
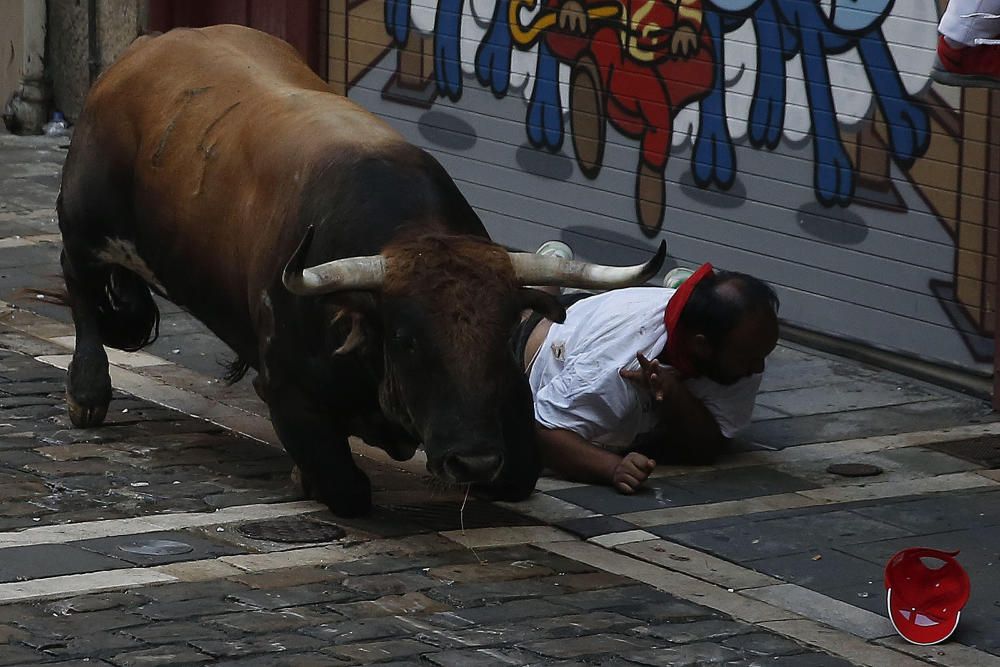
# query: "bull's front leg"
318,445
88,384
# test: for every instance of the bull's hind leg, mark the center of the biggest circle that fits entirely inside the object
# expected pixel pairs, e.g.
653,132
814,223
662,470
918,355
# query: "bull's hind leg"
88,384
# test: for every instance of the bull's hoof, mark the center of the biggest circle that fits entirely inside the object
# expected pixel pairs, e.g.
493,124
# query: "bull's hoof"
85,416
344,500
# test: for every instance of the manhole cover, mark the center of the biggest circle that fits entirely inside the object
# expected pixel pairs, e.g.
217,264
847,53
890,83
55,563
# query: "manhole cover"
156,548
854,469
296,530
984,450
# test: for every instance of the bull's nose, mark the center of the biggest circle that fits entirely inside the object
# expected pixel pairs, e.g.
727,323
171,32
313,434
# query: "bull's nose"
463,468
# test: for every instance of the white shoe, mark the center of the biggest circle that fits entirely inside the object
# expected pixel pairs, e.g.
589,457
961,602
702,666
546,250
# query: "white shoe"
555,249
675,277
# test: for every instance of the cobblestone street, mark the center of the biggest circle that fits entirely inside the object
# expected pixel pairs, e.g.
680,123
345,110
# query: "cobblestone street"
174,535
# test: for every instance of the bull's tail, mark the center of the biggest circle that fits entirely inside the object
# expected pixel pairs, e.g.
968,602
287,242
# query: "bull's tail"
127,316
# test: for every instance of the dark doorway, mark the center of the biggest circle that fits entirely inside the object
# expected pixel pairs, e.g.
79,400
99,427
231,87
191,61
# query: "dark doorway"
298,22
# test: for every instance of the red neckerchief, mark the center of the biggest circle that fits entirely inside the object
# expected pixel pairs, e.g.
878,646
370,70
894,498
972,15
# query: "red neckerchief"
677,355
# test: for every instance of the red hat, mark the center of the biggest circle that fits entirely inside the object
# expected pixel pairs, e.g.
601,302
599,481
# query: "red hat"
925,604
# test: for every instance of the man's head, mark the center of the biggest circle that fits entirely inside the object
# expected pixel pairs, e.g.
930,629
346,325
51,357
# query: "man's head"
731,323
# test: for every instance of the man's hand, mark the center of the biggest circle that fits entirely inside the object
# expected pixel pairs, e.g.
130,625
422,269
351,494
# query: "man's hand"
572,18
684,43
631,472
658,379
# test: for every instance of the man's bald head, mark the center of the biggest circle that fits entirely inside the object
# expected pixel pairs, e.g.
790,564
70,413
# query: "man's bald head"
731,320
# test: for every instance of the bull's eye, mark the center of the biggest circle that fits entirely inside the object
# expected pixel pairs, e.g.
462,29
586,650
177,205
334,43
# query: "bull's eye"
404,342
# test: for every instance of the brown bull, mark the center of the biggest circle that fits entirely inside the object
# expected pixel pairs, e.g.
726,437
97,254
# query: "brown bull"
202,160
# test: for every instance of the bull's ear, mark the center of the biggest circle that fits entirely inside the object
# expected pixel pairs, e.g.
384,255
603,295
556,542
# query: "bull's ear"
542,303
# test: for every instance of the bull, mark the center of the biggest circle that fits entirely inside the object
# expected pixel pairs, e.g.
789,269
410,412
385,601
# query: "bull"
338,261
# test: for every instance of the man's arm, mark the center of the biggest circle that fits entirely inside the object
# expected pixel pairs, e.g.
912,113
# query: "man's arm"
580,461
687,423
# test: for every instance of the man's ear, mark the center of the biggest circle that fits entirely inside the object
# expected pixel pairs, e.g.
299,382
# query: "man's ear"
542,303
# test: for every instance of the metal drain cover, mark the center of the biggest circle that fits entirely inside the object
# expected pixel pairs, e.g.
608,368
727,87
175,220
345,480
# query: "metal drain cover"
156,548
297,530
854,469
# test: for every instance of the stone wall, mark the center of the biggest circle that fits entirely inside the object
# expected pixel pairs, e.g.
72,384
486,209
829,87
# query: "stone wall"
118,23
11,47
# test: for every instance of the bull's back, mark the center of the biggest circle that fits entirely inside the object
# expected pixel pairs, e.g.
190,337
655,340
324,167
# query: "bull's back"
194,146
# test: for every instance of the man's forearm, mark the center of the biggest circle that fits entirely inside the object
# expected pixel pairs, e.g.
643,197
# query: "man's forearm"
692,425
575,458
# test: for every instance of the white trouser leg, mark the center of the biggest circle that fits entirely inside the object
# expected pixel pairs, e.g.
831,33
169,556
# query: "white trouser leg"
963,30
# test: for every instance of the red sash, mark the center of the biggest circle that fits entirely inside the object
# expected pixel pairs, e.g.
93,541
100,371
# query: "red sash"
677,355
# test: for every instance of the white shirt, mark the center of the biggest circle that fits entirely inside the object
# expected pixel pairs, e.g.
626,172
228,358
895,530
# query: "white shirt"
575,382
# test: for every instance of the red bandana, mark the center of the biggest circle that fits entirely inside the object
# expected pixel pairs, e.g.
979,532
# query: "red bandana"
677,356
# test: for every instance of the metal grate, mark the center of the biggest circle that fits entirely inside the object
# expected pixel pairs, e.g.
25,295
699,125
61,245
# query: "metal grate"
984,450
296,530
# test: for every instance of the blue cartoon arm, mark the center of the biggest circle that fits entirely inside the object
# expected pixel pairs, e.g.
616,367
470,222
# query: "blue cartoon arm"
493,56
545,121
447,48
908,123
397,19
714,157
767,111
834,172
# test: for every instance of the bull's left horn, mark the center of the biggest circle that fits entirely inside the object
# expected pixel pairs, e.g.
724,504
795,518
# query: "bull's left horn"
350,273
532,269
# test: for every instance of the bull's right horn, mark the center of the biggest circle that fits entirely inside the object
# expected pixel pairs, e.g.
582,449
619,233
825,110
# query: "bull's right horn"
532,269
349,273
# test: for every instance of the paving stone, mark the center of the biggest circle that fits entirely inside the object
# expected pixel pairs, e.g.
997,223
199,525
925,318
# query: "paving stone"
498,613
922,416
95,645
747,540
480,658
694,655
390,584
940,512
172,632
123,547
391,605
276,598
21,655
476,594
614,598
831,570
380,651
194,590
185,609
473,572
764,644
672,610
683,633
813,659
608,501
175,654
600,644
341,632
272,643
50,560
592,526
309,659
261,621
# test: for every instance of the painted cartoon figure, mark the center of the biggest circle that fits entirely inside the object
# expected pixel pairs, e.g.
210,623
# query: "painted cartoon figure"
786,28
635,64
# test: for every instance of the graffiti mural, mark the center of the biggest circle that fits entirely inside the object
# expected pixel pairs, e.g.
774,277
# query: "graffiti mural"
800,140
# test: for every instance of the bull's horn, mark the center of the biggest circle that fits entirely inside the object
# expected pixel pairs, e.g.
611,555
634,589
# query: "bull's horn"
532,269
350,273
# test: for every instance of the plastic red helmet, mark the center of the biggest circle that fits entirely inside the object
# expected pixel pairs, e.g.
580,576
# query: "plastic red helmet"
925,604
